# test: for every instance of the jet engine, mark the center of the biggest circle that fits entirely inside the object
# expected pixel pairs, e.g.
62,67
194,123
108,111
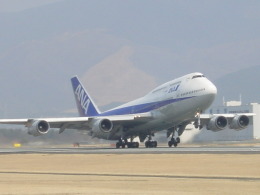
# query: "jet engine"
102,128
38,128
217,123
239,122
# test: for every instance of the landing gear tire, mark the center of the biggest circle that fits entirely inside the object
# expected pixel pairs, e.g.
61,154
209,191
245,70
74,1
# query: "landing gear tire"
118,145
174,142
133,144
151,144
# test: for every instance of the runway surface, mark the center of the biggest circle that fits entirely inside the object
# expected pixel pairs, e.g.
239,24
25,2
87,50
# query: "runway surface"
159,150
102,169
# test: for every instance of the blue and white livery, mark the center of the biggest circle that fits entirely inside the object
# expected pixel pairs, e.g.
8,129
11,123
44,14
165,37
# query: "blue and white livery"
171,106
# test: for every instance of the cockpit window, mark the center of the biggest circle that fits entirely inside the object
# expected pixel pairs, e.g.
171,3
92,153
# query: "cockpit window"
197,76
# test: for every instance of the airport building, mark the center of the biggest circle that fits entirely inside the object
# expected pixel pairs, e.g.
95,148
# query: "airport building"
252,132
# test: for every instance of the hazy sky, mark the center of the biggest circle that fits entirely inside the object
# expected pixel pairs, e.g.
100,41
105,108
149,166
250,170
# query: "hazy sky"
167,38
18,5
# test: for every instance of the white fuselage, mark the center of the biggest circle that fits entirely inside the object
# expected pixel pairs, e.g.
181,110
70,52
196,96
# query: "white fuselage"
183,98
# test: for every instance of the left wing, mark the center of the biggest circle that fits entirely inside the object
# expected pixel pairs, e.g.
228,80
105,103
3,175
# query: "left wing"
217,122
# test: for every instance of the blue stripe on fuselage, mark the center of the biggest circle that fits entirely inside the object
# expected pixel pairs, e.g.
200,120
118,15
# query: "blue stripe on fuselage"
141,108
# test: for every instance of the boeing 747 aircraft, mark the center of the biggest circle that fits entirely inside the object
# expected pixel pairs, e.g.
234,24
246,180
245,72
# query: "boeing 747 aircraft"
171,106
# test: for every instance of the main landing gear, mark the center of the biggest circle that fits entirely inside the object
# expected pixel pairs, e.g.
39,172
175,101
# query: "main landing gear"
174,141
150,143
123,143
120,143
133,144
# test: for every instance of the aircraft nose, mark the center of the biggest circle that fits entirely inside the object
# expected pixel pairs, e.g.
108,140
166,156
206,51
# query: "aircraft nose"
212,89
210,94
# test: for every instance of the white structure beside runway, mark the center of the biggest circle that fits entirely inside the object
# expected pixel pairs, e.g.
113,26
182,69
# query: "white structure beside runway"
250,133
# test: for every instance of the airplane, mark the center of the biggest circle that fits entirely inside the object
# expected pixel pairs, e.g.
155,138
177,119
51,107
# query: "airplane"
171,106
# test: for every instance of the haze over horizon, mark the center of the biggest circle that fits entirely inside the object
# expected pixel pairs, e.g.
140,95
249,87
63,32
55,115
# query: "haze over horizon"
20,5
122,49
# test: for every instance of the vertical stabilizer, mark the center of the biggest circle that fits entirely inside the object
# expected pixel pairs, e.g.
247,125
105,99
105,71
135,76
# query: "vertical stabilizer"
85,104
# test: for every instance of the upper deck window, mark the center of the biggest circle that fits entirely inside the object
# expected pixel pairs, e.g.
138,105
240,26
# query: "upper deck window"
159,90
176,83
197,76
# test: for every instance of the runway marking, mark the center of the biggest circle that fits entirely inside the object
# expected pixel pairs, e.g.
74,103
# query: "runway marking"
135,175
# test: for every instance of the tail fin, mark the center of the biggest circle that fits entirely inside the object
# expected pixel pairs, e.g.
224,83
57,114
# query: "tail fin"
85,104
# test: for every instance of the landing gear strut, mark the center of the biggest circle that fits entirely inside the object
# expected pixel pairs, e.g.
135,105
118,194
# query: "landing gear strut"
174,141
150,143
197,123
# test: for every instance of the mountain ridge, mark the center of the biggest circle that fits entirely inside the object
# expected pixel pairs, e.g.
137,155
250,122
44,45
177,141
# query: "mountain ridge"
41,48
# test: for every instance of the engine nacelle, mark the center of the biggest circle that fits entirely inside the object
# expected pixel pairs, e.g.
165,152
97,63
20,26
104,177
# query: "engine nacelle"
217,123
105,125
102,128
239,122
38,128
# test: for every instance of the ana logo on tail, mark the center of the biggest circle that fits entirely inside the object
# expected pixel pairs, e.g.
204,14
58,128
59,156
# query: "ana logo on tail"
82,98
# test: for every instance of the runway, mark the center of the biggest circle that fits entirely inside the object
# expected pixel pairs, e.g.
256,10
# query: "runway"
102,169
159,150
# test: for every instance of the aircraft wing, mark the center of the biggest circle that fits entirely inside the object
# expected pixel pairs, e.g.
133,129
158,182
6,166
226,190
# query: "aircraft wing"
228,116
216,122
53,122
81,123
